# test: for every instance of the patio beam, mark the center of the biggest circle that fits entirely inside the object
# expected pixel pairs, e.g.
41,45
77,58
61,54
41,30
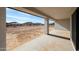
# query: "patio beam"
27,10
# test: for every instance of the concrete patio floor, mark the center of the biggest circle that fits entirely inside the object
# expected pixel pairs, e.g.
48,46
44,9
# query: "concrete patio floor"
46,43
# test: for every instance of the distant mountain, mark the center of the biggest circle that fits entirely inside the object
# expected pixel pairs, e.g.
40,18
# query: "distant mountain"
18,24
33,23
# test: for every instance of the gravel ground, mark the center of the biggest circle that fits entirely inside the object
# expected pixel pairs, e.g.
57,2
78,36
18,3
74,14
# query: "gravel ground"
19,35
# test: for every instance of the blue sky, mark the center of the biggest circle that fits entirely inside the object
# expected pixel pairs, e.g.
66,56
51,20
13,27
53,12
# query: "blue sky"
20,17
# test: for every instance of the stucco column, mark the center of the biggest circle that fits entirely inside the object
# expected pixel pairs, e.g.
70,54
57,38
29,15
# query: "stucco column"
2,28
46,25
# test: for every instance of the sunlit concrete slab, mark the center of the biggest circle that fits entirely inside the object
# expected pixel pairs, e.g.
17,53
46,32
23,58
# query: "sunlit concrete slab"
62,33
46,43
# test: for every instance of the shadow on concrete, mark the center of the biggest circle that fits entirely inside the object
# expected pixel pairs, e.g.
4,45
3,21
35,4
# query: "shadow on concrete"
59,36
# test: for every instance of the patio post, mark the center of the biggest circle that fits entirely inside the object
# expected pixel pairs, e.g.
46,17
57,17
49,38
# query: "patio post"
2,29
46,25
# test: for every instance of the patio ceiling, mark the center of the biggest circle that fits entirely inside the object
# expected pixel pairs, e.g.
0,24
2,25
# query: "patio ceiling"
56,13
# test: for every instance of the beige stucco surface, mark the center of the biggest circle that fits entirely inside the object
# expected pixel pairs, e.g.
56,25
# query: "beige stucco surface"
2,29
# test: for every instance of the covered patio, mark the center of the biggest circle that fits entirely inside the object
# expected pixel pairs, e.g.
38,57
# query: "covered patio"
59,39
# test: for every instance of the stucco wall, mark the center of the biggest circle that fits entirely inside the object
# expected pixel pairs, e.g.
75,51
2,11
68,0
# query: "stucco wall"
2,29
63,24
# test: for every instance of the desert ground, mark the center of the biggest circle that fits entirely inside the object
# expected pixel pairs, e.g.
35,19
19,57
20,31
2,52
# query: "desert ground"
19,35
